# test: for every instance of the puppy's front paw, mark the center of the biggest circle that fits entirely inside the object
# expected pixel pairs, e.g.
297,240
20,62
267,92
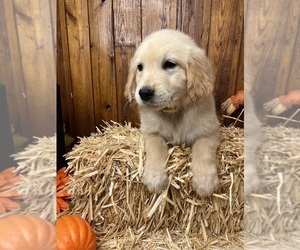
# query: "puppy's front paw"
155,181
205,184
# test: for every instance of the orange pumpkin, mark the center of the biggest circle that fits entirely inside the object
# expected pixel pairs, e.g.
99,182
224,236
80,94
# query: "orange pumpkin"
26,232
73,232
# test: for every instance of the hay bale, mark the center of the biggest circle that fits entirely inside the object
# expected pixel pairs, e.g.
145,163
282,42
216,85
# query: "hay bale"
37,166
272,214
107,191
166,239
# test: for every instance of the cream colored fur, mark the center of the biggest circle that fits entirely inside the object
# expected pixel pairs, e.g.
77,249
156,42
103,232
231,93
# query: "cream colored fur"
253,138
186,90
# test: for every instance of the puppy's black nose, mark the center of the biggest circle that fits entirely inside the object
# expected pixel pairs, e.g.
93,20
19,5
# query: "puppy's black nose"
146,93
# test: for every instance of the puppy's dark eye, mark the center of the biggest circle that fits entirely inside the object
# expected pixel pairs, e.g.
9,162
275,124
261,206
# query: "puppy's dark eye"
169,65
140,67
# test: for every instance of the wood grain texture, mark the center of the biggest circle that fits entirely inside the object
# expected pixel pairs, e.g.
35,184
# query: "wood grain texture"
96,40
293,81
6,73
225,44
127,22
117,27
239,83
15,73
114,30
158,15
194,19
103,61
80,65
35,38
237,65
53,16
270,43
63,69
127,32
294,76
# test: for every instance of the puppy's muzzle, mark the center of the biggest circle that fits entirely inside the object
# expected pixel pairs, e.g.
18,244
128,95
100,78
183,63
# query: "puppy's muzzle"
146,93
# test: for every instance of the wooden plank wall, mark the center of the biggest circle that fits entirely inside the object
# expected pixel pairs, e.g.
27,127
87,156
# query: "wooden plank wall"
27,59
272,40
96,40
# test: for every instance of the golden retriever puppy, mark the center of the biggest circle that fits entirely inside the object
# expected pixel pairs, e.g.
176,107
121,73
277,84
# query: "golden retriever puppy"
172,81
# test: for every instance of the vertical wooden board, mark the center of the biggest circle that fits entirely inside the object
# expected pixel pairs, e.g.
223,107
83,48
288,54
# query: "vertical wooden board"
128,112
256,37
158,15
285,43
270,39
38,63
53,15
60,75
237,64
194,19
239,85
294,76
103,61
45,30
80,65
6,73
127,22
224,45
6,142
60,67
127,32
64,70
16,70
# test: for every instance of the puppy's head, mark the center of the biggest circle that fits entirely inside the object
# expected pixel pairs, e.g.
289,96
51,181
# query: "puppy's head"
168,70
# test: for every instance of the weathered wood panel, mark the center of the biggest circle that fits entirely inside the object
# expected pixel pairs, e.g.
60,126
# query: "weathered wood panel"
35,37
237,67
194,19
79,51
6,71
239,84
294,77
102,61
53,16
96,40
63,69
28,64
127,32
225,45
117,27
272,32
12,72
158,15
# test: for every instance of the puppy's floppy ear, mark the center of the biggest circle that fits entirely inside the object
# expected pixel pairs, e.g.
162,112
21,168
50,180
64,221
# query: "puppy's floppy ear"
130,85
200,76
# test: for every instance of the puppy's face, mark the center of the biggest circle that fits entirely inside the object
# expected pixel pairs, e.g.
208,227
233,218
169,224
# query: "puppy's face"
160,76
167,71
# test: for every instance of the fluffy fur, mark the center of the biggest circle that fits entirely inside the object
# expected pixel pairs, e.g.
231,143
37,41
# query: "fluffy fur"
172,81
253,138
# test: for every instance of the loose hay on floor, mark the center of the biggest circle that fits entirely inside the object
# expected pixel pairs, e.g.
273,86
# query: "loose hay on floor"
272,214
108,192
